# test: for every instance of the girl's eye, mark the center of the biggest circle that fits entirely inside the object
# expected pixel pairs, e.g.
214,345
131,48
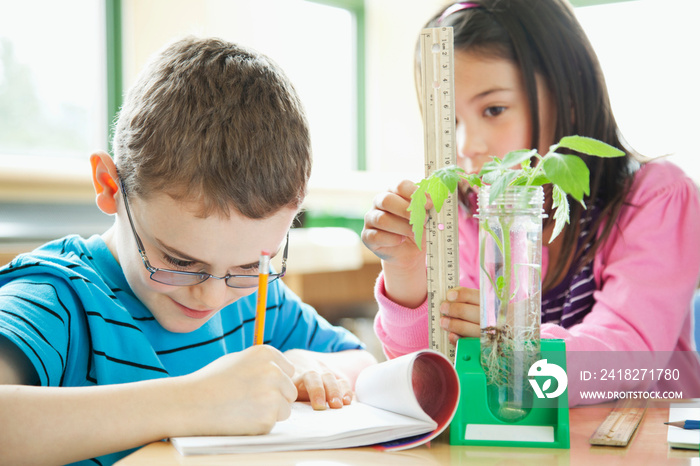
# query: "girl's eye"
494,111
178,262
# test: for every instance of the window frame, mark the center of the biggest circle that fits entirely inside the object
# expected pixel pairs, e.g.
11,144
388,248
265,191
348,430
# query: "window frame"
115,82
115,79
68,181
357,10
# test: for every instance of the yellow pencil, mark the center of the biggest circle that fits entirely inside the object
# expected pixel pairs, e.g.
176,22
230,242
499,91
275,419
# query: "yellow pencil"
263,274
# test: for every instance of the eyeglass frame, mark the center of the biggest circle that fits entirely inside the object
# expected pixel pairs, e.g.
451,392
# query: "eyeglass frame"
142,252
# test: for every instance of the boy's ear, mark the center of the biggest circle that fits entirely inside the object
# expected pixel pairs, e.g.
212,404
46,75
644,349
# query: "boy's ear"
104,180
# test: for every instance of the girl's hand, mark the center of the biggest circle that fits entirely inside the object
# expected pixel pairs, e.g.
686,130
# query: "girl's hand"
387,232
460,314
318,383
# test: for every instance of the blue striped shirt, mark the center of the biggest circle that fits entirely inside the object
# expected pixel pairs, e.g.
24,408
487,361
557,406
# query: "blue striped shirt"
69,308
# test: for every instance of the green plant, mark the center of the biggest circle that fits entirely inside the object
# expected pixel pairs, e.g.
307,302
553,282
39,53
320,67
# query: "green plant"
509,345
567,173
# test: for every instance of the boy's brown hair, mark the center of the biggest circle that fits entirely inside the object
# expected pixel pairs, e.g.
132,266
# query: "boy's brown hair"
216,123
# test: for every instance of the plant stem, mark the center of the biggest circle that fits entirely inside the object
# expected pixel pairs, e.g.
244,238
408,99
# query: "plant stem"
481,254
506,223
538,168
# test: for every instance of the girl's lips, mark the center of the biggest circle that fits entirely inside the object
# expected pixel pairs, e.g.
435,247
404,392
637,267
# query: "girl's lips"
194,313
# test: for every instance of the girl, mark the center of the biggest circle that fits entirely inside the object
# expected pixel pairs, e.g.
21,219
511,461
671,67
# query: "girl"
622,274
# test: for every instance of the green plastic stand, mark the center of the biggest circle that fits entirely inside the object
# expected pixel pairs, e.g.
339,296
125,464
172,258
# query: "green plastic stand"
548,415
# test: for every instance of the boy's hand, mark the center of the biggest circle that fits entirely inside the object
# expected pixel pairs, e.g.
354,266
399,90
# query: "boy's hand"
460,314
318,383
242,393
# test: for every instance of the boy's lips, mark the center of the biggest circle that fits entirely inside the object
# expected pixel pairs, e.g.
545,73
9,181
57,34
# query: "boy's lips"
194,313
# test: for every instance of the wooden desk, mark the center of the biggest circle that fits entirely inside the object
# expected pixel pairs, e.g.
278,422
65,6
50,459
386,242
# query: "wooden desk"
647,447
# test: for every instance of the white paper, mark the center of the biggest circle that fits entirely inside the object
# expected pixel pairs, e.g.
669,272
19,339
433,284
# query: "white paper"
684,438
386,409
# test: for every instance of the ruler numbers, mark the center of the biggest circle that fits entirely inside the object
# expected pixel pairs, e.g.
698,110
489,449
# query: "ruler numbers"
437,90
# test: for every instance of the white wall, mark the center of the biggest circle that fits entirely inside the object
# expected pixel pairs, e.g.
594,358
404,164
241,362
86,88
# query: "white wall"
651,60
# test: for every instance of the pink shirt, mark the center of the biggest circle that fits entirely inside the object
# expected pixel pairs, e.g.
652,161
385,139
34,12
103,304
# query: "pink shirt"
645,275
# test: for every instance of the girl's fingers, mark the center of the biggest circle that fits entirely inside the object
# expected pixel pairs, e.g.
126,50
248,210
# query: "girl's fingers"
461,313
386,221
377,239
460,328
405,189
463,295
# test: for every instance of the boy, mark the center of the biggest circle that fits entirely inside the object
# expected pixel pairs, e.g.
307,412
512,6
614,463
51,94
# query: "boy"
141,333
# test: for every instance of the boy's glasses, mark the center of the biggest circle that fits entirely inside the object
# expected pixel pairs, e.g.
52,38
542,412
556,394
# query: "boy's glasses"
182,278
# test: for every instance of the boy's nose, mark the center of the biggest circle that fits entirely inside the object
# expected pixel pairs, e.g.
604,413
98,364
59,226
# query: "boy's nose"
212,293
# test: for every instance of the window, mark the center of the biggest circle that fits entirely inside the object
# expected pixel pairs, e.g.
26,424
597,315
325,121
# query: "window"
52,81
318,52
315,43
648,55
54,98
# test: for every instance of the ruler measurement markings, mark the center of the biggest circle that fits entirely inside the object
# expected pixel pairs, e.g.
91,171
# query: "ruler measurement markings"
441,240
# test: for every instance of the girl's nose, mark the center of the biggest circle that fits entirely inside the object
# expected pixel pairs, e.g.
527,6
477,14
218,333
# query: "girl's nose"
469,144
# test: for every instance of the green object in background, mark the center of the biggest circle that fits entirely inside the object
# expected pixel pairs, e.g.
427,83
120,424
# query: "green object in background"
316,219
113,33
473,408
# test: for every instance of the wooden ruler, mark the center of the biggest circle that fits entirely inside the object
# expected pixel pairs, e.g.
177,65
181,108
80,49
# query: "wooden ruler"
617,429
437,92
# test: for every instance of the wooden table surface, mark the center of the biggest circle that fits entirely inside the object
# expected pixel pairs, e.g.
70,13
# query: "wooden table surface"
647,447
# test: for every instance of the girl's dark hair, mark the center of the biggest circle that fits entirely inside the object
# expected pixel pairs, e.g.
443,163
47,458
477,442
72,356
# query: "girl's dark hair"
543,37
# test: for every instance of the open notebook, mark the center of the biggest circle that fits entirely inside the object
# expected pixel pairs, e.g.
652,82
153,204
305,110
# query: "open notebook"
399,404
684,438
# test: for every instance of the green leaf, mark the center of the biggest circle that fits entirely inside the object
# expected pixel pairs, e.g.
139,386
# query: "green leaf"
490,177
520,180
540,180
569,172
561,213
438,191
500,284
417,210
449,176
473,179
490,167
524,180
590,146
517,157
501,183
